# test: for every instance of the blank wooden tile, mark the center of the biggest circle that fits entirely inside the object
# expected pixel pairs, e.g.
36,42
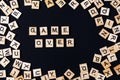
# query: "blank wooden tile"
52,74
114,3
99,21
37,72
7,52
10,36
69,74
93,12
54,30
49,43
105,63
16,14
27,75
3,72
100,76
65,30
108,73
2,2
77,78
19,78
117,18
83,67
4,62
1,53
116,29
112,57
32,31
17,64
109,23
49,3
35,5
15,53
13,25
27,2
112,37
59,42
117,69
84,75
85,4
60,78
73,4
98,3
105,11
38,43
10,78
43,31
70,42
97,58
26,66
2,29
45,77
14,44
93,72
104,51
2,40
60,3
14,4
14,72
4,19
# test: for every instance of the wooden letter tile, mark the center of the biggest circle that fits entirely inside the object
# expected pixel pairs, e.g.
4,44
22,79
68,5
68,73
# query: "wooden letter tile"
4,19
26,66
84,75
60,42
109,23
14,72
17,64
65,30
10,36
97,58
117,18
2,40
32,31
99,21
60,3
54,30
117,69
52,74
108,73
83,67
14,4
98,3
4,62
27,75
14,44
104,51
38,43
13,25
16,54
116,29
85,4
37,72
93,72
112,57
70,42
2,73
93,12
43,31
49,43
69,74
112,37
35,4
44,77
49,3
16,13
105,63
27,2
74,4
105,11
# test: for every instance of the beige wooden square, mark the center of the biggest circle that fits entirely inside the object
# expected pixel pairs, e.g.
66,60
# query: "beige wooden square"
3,72
60,3
32,31
49,43
2,29
85,4
14,4
83,67
104,51
4,19
117,69
69,74
99,21
97,58
98,3
65,30
13,25
27,75
93,12
112,49
15,44
2,2
105,63
100,77
38,43
116,29
105,11
112,57
16,14
43,31
73,4
109,23
49,3
114,3
60,78
52,74
26,66
1,53
17,64
117,18
118,9
7,11
59,42
108,73
10,36
37,72
14,72
84,75
27,2
45,77
2,40
93,72
4,62
104,33
117,46
7,52
54,30
16,54
70,42
112,37
35,5
19,78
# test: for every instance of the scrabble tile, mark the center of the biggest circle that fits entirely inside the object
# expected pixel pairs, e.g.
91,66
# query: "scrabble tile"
93,12
15,53
70,42
112,57
14,44
10,36
112,37
117,69
69,74
3,72
34,79
4,19
109,23
49,3
105,11
7,52
94,72
112,49
118,9
97,58
16,14
99,21
2,40
38,43
117,46
73,4
45,77
2,29
27,2
85,4
77,78
52,74
117,18
37,72
14,72
27,75
32,31
65,30
49,43
83,67
104,51
114,3
1,53
43,31
10,78
100,77
108,73
4,62
19,78
7,11
26,66
54,30
60,3
17,64
98,3
60,78
92,1
13,25
35,5
105,63
4,5
84,75
116,29
59,42
14,4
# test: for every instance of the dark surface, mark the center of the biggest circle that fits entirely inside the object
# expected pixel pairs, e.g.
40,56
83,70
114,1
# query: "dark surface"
82,28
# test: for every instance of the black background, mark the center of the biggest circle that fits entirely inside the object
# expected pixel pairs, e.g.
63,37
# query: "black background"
82,29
